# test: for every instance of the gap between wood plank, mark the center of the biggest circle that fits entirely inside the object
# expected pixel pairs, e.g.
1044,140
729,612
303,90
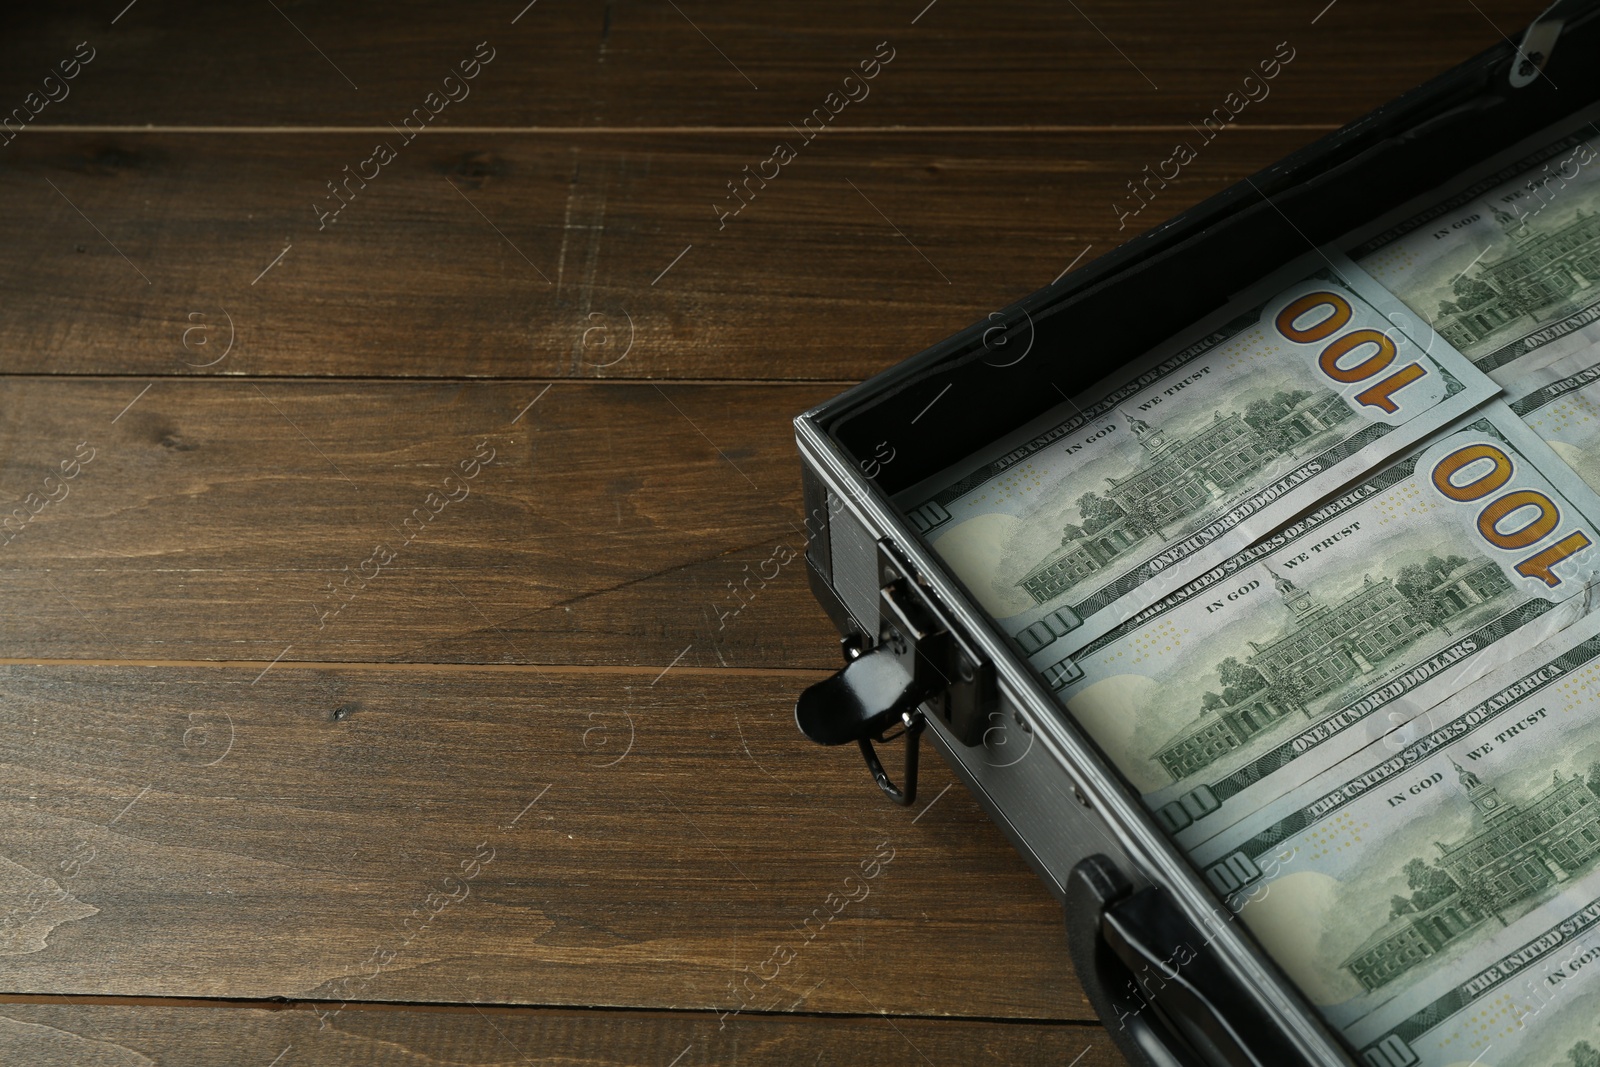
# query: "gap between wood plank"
410,665
448,1007
331,379
852,131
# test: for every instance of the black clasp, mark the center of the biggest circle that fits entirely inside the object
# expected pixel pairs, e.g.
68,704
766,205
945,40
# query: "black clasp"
859,704
905,794
917,657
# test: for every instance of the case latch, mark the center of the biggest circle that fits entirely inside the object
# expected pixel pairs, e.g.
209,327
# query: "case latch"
918,658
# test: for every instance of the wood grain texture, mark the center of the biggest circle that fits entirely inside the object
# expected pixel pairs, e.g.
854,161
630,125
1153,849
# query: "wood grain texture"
631,839
117,1036
514,255
557,716
617,524
636,63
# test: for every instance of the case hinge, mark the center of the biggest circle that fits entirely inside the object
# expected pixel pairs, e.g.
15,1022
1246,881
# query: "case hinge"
1539,41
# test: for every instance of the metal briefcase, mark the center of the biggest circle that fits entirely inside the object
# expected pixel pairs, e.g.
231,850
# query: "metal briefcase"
921,656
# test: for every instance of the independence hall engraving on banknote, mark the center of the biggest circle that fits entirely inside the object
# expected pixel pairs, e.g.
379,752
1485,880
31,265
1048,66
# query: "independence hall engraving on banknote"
1176,477
1513,853
1540,271
1325,646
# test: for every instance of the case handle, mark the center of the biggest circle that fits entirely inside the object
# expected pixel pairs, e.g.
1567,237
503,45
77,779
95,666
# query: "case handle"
1162,996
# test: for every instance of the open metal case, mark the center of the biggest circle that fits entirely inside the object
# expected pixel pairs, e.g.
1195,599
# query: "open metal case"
1175,981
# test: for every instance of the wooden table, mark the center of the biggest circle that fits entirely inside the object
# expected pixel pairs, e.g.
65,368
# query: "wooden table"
380,680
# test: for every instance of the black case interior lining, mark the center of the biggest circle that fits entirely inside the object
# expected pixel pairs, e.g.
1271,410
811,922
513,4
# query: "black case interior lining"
1120,305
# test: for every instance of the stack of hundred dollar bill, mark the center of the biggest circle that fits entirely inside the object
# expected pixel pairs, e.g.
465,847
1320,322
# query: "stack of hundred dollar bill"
1317,578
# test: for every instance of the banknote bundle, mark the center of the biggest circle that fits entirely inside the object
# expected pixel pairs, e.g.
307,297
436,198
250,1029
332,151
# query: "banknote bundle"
1318,577
1390,886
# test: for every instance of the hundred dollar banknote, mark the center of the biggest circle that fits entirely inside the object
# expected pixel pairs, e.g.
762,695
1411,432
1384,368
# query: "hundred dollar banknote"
1533,1005
1191,454
1507,269
1406,862
1286,658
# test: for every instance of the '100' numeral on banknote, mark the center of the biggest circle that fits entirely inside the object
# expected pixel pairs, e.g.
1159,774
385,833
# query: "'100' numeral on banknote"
1329,314
1516,520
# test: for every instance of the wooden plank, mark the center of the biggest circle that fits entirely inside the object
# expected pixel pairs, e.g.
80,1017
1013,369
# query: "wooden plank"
276,829
617,524
518,255
119,1036
633,839
634,63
